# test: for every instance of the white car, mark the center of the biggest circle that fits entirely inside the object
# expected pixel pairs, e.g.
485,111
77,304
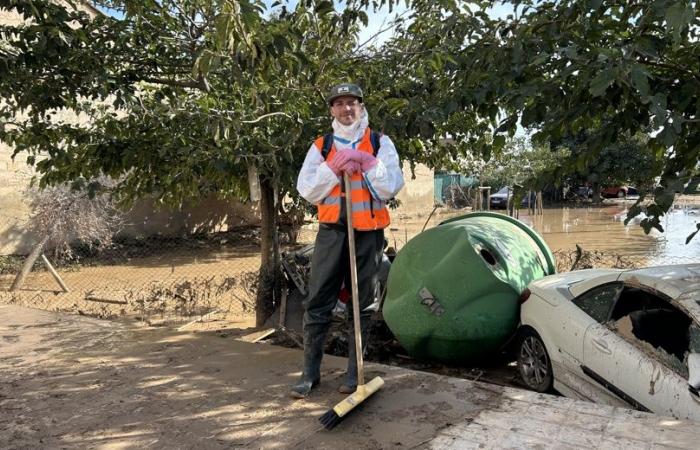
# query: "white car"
619,337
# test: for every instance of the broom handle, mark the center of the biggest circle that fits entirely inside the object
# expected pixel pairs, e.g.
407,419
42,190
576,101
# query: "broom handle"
353,279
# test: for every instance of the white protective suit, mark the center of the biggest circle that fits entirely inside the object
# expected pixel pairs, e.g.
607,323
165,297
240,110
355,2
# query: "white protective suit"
316,179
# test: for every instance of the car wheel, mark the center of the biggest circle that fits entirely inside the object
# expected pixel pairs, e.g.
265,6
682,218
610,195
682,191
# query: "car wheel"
621,194
534,365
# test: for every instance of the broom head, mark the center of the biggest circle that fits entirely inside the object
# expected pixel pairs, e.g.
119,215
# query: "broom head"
335,415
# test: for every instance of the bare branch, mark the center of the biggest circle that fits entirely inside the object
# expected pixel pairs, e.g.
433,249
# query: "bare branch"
198,84
265,116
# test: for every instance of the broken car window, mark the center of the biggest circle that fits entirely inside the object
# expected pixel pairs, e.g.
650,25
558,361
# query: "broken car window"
654,326
598,301
694,337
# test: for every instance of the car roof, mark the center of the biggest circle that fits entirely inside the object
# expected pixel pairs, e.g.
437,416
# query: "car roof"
576,282
673,281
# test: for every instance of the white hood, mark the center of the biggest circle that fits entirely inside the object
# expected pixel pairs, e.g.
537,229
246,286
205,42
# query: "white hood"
352,132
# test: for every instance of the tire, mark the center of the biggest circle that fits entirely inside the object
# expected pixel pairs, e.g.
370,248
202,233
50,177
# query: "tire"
534,365
621,194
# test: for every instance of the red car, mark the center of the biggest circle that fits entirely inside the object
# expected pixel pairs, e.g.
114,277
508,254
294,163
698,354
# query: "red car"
617,191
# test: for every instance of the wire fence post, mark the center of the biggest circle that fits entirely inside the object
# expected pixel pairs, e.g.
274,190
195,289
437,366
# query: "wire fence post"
28,264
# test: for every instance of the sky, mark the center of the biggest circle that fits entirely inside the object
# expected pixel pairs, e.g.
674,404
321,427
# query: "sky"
377,20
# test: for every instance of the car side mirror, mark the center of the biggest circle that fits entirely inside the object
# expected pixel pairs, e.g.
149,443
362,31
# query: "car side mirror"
694,370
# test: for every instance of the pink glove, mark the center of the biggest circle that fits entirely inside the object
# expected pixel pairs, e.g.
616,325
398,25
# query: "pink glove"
337,163
366,160
351,167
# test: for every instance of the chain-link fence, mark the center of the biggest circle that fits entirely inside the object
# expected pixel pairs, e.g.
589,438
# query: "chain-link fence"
212,277
154,278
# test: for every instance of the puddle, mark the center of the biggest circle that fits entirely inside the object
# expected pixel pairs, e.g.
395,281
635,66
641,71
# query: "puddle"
603,228
599,228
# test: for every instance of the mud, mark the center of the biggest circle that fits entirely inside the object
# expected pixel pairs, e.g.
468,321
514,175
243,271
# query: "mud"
75,382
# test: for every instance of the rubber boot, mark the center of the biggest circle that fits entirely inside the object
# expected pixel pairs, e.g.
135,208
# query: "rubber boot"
350,380
314,337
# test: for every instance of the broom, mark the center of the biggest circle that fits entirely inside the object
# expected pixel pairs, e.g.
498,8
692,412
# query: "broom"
335,415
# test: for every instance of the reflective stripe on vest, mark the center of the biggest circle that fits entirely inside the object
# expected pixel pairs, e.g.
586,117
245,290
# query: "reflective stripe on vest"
368,213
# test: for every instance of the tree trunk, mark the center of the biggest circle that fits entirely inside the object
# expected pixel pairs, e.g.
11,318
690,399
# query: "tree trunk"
265,298
596,193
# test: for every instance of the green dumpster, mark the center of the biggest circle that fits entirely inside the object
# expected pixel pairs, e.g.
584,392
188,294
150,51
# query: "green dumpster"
453,290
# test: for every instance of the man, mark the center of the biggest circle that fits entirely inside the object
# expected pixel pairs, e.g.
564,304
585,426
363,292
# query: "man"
373,164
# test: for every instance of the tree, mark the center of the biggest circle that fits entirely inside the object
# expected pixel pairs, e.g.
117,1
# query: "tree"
558,67
182,96
185,95
64,214
519,163
630,160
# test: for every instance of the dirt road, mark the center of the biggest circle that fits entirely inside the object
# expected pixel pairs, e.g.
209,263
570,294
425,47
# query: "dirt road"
74,382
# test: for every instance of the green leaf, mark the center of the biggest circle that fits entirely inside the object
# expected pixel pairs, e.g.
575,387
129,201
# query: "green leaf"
594,4
668,136
601,82
640,80
665,198
647,45
540,59
678,16
324,7
202,64
659,105
498,142
396,104
529,116
363,18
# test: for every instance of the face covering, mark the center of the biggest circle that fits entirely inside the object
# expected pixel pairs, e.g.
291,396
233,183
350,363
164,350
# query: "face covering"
354,131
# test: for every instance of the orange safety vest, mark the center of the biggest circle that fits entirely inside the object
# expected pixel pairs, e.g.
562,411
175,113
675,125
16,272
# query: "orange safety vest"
368,213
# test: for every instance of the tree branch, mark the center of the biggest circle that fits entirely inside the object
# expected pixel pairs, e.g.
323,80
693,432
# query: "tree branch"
199,84
265,116
670,66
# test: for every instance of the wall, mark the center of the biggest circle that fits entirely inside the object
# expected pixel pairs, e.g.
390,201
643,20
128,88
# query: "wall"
208,215
14,178
417,195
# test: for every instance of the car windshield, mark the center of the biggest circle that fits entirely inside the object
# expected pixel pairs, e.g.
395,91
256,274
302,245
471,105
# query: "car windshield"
503,190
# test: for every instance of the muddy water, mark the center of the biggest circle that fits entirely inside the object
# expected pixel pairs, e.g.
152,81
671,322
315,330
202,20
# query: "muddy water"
593,228
603,228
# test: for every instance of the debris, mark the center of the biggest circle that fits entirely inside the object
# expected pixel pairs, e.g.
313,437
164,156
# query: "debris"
91,298
199,320
257,336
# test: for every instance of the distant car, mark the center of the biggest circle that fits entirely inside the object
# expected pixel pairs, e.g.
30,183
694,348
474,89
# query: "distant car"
616,191
500,199
578,193
619,337
584,191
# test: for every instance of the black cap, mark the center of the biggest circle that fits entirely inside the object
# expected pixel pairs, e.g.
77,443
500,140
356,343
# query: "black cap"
343,90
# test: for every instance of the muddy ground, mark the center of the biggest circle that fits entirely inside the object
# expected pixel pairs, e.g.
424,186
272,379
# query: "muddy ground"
75,382
68,381
383,348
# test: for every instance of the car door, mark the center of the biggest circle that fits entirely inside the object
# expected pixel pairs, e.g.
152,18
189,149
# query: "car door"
592,309
639,371
689,404
620,368
672,395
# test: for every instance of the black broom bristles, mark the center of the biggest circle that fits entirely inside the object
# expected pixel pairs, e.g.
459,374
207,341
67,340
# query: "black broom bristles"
330,419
